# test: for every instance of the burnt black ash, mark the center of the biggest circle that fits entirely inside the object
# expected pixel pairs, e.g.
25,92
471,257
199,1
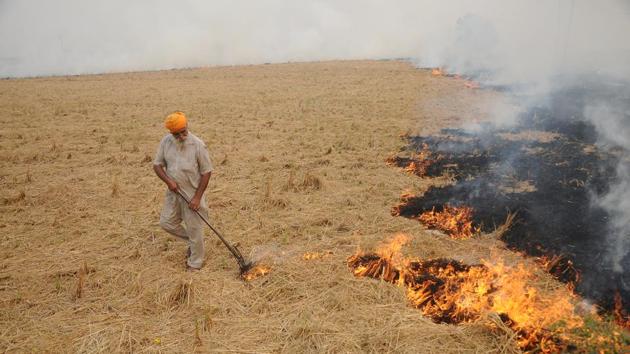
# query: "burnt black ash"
550,183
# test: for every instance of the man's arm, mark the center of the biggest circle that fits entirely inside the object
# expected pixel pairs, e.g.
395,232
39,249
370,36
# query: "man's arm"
159,171
203,184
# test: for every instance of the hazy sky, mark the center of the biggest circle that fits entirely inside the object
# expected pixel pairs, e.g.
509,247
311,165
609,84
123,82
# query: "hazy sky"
522,40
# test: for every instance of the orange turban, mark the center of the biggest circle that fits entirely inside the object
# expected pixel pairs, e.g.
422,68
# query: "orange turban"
175,122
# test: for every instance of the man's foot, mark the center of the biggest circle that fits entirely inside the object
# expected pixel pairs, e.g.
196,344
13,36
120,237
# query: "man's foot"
192,269
188,252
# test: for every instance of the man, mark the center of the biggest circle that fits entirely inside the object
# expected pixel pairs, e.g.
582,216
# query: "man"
183,163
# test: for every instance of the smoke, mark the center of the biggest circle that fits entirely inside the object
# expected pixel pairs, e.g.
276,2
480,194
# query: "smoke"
617,203
612,122
545,52
531,45
78,37
516,41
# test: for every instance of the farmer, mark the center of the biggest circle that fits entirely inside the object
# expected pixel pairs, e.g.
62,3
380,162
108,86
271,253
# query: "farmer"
183,163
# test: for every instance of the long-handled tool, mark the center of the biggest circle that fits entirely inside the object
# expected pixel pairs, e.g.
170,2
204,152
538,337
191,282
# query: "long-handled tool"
242,263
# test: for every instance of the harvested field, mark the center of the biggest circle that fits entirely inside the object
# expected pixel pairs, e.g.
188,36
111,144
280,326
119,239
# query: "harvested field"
300,180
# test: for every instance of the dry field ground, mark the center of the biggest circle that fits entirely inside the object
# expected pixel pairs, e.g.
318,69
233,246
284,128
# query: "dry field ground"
299,153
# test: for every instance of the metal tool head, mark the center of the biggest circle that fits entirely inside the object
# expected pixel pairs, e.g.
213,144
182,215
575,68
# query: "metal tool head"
245,267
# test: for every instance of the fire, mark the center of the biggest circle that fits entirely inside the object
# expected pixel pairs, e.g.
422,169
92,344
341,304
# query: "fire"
421,163
622,318
448,291
437,72
417,165
455,221
255,272
315,255
561,268
404,201
415,168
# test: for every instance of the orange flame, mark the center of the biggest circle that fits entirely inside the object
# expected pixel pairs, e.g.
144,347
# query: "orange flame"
437,72
621,317
255,272
418,168
315,255
404,200
561,268
448,291
455,221
417,165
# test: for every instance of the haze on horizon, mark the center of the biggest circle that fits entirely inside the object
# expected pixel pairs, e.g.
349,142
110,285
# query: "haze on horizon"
516,40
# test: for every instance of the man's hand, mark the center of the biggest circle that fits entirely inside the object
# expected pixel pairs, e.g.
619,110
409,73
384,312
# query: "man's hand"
172,185
159,171
196,199
194,203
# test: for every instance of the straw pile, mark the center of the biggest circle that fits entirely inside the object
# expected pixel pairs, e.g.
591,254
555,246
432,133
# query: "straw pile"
299,151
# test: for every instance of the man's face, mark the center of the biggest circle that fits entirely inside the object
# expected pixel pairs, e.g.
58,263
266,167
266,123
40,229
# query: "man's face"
181,135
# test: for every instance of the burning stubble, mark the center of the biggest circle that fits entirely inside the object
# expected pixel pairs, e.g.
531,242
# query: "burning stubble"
255,272
553,169
417,165
448,291
455,221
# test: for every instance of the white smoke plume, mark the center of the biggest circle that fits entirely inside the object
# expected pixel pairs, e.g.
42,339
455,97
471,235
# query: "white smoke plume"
613,125
520,41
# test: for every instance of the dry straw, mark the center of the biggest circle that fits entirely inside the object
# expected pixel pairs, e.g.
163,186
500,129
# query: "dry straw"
322,188
81,274
115,187
182,294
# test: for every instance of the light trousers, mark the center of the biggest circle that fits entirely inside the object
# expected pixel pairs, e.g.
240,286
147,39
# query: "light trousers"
176,211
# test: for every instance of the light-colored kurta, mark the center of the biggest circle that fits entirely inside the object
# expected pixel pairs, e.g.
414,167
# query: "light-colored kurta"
184,162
